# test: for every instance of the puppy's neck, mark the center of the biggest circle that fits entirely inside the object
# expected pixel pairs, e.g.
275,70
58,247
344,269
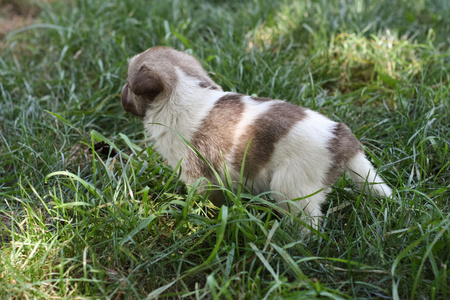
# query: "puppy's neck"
184,108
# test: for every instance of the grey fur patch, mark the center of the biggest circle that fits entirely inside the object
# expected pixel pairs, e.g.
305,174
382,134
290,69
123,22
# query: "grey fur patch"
264,133
343,146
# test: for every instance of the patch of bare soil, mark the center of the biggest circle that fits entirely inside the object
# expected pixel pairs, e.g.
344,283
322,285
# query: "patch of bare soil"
15,14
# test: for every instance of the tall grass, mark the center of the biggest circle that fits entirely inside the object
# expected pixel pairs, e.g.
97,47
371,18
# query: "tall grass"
88,210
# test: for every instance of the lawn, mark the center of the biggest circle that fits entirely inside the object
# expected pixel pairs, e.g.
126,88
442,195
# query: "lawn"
89,210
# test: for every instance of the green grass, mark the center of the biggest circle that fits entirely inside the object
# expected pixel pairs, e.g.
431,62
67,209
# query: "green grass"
77,222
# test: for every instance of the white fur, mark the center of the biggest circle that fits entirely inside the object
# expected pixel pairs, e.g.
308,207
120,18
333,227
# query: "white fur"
301,161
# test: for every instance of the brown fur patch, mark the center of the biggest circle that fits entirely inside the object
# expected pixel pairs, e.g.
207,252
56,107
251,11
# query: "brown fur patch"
146,82
208,85
214,138
343,147
264,133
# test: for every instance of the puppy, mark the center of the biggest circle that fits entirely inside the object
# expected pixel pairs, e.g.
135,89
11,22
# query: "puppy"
291,150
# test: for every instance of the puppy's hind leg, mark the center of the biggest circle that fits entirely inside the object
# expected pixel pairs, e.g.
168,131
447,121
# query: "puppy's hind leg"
312,197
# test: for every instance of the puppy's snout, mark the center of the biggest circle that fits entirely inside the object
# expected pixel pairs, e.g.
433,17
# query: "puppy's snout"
124,97
129,104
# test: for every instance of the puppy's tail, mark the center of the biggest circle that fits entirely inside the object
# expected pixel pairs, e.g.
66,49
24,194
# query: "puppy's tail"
365,176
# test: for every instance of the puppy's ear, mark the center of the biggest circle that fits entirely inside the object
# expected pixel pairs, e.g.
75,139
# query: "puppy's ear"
146,82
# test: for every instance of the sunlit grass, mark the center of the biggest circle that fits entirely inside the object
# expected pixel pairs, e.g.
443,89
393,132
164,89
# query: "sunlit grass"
87,210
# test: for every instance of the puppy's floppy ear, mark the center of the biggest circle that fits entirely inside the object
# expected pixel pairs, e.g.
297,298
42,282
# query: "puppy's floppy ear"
146,82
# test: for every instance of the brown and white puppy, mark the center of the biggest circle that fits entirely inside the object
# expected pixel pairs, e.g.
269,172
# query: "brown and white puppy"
292,150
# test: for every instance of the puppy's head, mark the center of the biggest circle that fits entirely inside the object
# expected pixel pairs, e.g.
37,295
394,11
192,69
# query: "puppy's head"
153,76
